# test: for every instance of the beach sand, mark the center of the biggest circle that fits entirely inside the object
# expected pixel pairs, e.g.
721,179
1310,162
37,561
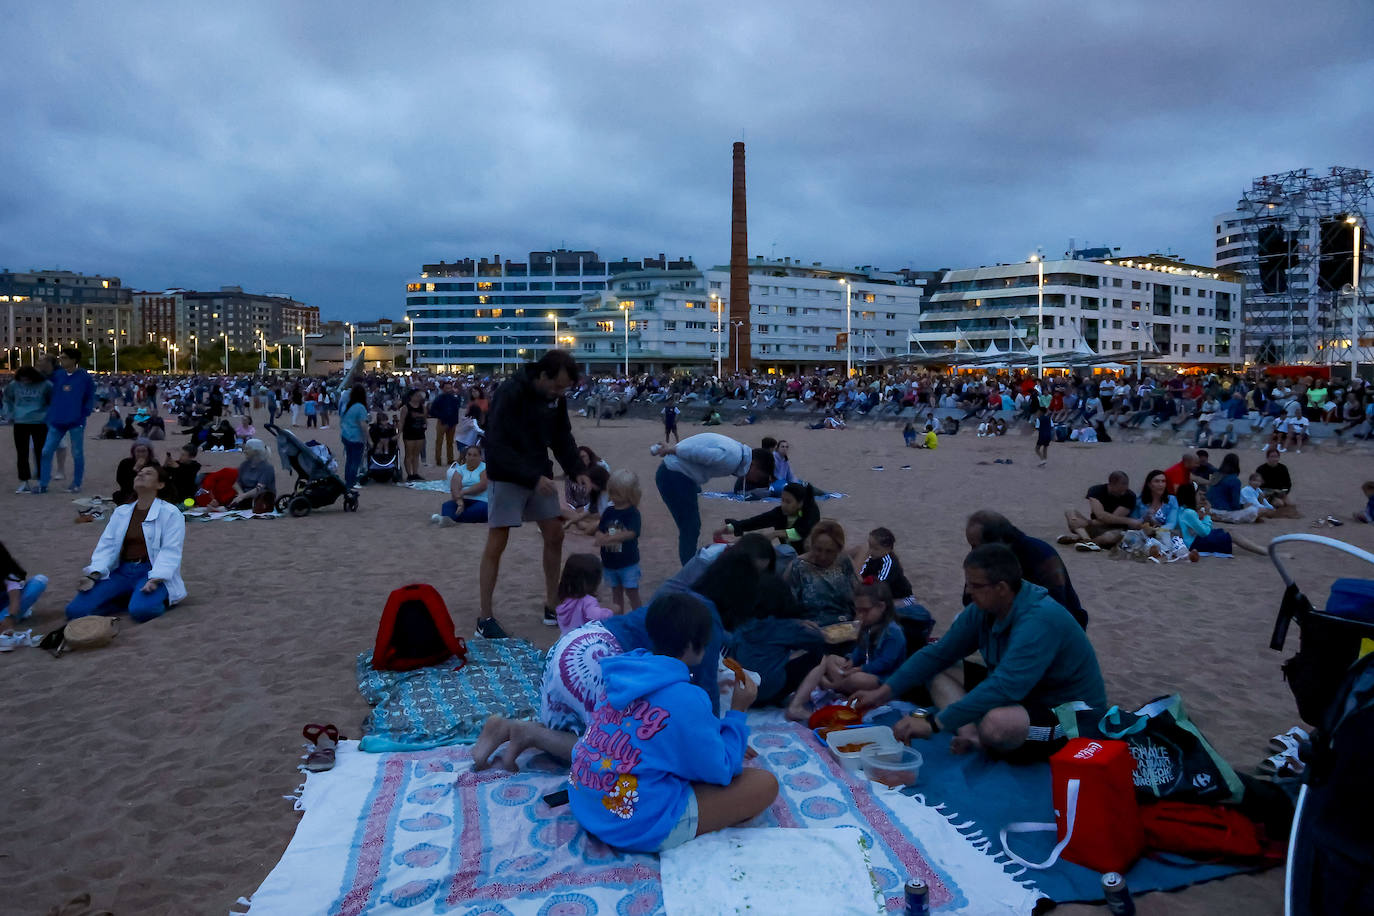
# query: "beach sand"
152,772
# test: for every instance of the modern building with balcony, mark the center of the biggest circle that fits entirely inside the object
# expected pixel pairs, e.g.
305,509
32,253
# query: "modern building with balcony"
677,318
1154,307
187,316
488,313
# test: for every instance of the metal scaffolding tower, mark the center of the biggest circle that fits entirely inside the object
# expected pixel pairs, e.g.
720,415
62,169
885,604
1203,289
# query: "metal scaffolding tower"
1301,301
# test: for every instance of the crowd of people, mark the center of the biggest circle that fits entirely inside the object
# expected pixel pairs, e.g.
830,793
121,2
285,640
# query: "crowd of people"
811,614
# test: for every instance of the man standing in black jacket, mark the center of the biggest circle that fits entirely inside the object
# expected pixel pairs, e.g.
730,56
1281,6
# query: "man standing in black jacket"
528,417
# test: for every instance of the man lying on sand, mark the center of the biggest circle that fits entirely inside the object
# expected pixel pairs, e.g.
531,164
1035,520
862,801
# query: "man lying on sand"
1037,658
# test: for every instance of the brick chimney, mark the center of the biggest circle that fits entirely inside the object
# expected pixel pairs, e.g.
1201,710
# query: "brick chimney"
739,267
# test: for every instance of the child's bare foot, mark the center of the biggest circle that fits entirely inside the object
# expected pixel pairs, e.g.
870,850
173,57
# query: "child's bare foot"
797,712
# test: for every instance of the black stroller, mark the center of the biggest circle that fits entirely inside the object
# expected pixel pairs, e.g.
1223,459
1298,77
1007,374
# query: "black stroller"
318,483
1331,847
383,466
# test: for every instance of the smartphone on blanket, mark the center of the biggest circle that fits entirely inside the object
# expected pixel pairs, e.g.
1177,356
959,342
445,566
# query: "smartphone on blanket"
556,799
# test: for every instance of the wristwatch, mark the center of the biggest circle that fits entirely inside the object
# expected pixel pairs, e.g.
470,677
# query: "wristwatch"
928,715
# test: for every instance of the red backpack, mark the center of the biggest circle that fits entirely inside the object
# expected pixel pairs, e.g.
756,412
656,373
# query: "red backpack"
416,631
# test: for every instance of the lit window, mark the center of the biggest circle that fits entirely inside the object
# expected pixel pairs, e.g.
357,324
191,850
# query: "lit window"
429,287
484,286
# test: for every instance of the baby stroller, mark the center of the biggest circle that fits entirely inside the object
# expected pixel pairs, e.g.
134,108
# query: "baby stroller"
1331,846
318,483
383,466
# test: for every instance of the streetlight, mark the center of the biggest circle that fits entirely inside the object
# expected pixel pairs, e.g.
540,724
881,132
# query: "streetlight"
1039,315
625,307
734,347
195,354
352,347
503,345
226,352
848,347
410,344
301,328
175,350
715,301
1355,310
553,316
115,335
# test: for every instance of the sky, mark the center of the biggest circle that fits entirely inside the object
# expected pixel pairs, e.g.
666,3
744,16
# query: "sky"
327,151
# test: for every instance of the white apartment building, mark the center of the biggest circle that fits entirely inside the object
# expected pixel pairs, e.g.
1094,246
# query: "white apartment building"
679,319
1185,313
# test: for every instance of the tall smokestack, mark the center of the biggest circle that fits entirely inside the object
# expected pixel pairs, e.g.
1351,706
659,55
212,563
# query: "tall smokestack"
739,265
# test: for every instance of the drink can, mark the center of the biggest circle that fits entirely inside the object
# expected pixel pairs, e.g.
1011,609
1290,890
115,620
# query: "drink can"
1119,902
917,898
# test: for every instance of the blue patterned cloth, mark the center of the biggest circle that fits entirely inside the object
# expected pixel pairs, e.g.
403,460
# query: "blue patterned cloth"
448,704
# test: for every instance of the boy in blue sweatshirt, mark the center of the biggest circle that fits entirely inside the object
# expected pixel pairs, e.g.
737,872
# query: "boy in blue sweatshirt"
656,767
73,399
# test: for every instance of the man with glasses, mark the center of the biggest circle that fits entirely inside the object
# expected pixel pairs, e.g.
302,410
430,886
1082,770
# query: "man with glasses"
1037,658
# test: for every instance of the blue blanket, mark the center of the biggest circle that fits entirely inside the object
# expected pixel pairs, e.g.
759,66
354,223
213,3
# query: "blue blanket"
977,794
752,496
447,703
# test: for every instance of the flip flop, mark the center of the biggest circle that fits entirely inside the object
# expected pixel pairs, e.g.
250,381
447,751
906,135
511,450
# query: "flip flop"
1067,539
1292,742
1087,547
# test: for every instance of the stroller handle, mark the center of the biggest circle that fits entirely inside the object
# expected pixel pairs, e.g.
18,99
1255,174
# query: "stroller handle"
1312,539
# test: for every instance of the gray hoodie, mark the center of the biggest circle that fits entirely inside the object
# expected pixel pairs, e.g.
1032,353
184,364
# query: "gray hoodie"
707,455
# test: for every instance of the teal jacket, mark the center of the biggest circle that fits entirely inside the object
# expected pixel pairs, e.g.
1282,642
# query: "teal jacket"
1037,654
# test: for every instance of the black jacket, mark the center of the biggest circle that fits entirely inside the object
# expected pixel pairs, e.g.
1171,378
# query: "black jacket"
521,429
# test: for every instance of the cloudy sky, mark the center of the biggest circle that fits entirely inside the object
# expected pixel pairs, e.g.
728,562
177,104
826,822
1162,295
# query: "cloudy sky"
326,150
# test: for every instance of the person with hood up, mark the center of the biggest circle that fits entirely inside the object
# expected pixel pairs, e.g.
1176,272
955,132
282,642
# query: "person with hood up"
656,767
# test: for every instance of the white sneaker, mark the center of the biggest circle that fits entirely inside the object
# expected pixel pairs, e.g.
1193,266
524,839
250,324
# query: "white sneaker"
23,488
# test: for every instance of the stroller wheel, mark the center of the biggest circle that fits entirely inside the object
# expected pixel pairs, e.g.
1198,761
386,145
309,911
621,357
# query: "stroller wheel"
283,503
299,507
350,502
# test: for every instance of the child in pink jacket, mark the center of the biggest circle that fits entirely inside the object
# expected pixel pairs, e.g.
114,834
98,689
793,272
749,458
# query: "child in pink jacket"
577,601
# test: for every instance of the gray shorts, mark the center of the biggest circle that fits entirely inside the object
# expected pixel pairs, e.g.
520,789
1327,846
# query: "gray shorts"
509,504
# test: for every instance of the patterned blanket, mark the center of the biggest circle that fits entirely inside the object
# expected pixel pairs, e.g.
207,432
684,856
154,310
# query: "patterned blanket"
752,497
422,832
447,704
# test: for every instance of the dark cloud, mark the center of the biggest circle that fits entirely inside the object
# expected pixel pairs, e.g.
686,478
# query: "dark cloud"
328,150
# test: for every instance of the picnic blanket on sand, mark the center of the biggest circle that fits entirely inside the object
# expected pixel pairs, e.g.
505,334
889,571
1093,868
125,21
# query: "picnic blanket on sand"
752,497
981,796
447,704
421,832
430,486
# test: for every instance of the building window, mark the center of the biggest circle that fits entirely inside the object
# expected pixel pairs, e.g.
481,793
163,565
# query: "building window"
1116,281
1116,345
1116,303
670,325
763,329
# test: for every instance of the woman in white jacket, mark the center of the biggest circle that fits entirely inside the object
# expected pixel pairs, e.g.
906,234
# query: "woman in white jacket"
137,563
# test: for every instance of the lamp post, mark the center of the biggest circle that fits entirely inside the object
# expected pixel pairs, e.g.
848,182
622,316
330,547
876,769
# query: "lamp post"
301,328
1355,291
1039,315
715,300
503,345
848,347
553,316
410,344
734,346
352,347
226,353
625,307
115,335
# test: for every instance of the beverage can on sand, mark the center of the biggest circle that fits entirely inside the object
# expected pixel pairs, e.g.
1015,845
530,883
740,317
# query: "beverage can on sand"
917,898
1119,902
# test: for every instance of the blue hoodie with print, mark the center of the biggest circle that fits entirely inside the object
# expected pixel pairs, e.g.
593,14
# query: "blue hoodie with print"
73,399
649,739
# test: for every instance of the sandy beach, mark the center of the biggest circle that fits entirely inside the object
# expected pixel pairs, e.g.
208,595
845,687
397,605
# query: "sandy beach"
152,772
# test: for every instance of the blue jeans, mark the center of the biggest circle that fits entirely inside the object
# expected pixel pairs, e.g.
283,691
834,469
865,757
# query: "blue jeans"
353,461
55,437
475,511
28,597
679,494
122,590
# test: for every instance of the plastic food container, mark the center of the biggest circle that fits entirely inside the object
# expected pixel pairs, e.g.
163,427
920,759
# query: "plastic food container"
895,767
848,744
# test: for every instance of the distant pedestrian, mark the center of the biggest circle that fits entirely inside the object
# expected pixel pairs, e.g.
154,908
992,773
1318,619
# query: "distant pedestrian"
1044,432
670,415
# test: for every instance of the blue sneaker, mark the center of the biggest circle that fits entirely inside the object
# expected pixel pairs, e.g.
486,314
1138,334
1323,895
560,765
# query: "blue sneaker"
74,488
38,489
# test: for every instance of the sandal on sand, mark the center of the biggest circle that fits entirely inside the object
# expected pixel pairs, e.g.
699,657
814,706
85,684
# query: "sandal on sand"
1086,547
1294,742
325,738
1281,765
1066,539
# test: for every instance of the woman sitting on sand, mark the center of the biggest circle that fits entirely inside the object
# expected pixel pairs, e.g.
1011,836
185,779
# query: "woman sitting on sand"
467,483
1158,513
1198,533
140,456
257,480
573,685
136,564
823,579
1224,494
185,471
575,493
